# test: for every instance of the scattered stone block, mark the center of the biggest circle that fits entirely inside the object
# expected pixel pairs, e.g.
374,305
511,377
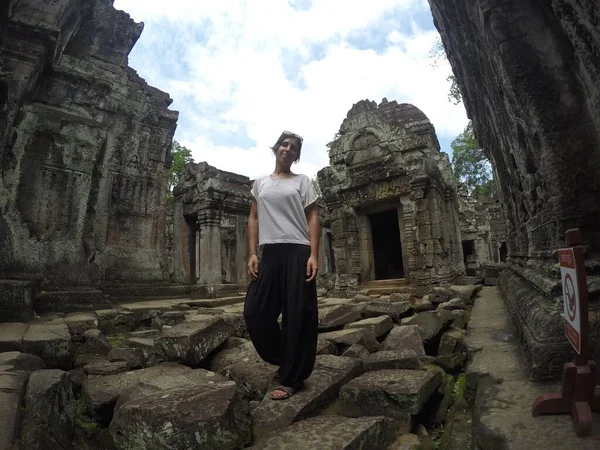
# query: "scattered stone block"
50,405
12,391
378,326
172,318
345,338
146,311
451,341
380,308
439,295
71,300
467,293
51,342
362,298
430,323
324,347
103,391
334,432
356,351
134,357
104,367
423,304
460,318
79,323
321,388
452,363
192,342
399,297
336,316
406,442
398,394
16,301
143,343
210,416
392,359
405,337
11,336
113,321
243,365
144,334
453,304
96,342
21,361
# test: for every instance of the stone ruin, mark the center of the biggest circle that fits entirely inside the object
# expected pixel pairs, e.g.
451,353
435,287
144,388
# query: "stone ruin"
210,243
529,76
483,233
392,199
84,150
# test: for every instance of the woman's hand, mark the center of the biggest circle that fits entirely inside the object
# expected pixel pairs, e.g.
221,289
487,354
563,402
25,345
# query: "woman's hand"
312,267
253,266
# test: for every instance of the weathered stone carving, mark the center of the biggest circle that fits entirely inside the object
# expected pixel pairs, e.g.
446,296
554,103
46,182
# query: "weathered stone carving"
529,74
84,147
392,198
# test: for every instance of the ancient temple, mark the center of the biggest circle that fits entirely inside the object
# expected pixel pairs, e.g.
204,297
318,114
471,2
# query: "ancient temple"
84,147
482,230
392,199
209,229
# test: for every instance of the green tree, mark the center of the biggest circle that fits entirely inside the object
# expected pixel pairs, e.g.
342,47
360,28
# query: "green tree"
438,55
181,156
470,164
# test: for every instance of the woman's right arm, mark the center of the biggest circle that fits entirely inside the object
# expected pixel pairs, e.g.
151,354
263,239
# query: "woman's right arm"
253,241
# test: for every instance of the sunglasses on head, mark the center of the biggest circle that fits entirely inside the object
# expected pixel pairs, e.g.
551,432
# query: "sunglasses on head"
289,133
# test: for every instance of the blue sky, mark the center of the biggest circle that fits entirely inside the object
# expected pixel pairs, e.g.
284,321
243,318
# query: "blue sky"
240,72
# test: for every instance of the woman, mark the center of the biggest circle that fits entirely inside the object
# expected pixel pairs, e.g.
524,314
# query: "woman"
284,222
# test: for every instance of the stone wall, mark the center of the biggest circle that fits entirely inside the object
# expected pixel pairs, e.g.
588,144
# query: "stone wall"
84,147
386,157
529,74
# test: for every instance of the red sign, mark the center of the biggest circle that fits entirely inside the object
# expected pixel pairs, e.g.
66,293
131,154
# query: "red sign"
571,308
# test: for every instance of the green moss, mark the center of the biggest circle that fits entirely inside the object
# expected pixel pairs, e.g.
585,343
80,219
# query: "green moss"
116,340
460,385
83,418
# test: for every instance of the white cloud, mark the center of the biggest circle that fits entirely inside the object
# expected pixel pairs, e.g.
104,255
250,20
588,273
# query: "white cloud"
228,66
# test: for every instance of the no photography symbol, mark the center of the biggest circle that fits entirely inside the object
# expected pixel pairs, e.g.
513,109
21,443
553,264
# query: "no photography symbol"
569,289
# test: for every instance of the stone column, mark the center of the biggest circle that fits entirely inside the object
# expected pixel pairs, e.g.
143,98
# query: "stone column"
209,222
182,257
241,251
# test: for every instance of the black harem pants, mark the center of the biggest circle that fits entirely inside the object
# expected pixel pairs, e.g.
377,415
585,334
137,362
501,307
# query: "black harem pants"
281,288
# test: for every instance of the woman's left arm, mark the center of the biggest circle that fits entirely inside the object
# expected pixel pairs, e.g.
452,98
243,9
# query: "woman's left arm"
314,230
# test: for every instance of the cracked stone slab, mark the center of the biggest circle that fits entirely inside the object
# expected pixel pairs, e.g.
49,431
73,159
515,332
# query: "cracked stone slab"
103,391
12,392
78,323
405,337
349,337
51,342
21,361
336,316
320,390
334,433
376,325
200,415
392,359
398,393
192,342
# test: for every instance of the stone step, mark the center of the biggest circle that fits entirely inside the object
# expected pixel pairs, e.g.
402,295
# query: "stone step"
139,291
386,290
386,282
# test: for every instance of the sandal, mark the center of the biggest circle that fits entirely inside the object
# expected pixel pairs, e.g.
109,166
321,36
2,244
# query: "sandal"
289,391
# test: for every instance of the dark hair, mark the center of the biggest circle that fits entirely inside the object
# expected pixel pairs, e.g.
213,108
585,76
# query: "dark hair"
288,134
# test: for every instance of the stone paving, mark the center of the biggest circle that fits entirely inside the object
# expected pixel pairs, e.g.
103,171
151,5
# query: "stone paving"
181,373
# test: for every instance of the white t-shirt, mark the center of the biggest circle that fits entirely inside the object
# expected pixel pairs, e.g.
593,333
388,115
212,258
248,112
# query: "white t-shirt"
280,207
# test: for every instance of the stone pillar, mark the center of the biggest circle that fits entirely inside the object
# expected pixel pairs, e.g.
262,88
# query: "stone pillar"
182,257
241,251
209,222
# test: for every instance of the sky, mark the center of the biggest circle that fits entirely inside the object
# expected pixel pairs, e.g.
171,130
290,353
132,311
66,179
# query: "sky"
240,72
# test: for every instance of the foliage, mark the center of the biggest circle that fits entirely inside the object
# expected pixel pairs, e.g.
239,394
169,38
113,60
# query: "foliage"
117,340
181,156
438,55
470,164
83,417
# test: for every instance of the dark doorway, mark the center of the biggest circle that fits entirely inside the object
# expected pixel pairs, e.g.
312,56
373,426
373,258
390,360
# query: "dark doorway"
503,252
468,250
387,247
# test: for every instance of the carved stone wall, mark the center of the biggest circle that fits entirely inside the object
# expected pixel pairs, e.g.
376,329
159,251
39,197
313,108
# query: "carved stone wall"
84,147
386,157
529,74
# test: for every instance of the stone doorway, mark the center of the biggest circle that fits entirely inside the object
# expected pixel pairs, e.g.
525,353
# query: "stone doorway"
387,245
